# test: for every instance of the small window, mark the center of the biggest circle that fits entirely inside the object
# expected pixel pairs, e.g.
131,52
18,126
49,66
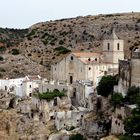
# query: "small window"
30,94
30,86
89,59
108,46
95,59
118,46
71,57
89,68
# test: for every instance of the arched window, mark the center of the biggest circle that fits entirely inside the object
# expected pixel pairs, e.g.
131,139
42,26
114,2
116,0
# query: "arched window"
71,58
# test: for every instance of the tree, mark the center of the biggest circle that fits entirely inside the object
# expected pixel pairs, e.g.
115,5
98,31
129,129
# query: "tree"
106,85
116,99
133,95
132,123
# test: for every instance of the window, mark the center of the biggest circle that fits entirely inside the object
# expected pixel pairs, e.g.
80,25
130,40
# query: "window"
71,58
89,59
30,86
118,46
89,68
108,46
95,59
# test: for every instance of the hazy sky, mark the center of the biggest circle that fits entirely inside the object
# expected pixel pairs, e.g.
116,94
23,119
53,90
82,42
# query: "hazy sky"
24,13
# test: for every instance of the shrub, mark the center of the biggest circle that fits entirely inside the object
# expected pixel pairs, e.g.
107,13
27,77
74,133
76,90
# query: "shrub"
76,137
116,99
138,21
132,123
61,42
1,58
29,54
126,137
15,51
133,95
29,35
62,50
50,95
2,70
2,49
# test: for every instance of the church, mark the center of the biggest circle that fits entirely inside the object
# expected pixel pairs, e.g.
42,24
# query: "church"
88,66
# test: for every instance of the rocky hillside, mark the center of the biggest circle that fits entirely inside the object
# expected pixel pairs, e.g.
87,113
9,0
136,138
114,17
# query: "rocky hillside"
47,42
11,37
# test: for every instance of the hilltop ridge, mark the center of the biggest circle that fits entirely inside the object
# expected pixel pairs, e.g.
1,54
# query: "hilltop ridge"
47,42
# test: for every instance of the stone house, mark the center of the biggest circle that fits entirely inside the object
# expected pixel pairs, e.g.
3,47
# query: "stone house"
90,66
68,119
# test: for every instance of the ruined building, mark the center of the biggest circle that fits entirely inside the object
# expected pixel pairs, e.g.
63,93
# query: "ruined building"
129,72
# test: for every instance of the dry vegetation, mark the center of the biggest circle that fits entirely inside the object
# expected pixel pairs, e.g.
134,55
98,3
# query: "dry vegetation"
47,42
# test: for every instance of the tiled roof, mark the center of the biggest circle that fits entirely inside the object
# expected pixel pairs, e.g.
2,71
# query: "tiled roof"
86,54
33,77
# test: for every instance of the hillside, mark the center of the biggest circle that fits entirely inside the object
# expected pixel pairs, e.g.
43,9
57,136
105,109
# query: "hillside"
47,42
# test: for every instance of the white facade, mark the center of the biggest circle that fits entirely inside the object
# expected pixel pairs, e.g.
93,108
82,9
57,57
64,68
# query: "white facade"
12,85
20,86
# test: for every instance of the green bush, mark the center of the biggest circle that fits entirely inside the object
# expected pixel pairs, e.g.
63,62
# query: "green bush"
1,58
126,137
76,137
116,99
133,95
62,50
2,49
15,51
132,123
29,35
50,95
61,42
2,70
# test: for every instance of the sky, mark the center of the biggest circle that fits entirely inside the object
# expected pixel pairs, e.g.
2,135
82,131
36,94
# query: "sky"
25,13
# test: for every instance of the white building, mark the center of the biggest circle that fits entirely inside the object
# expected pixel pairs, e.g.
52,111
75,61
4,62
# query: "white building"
90,66
20,86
